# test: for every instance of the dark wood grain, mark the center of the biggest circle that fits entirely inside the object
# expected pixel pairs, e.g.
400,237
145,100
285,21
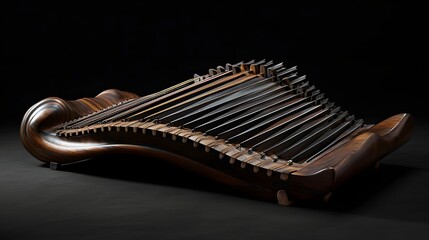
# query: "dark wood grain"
36,134
263,176
355,155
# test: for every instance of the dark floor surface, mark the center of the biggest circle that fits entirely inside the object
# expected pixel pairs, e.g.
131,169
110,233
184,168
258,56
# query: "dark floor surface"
129,198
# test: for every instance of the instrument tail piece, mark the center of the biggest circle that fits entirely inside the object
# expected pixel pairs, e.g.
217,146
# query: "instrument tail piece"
256,126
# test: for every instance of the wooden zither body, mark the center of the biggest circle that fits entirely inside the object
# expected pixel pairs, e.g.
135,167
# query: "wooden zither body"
257,126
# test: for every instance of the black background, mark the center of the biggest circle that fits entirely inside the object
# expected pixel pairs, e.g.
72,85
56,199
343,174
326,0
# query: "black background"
370,59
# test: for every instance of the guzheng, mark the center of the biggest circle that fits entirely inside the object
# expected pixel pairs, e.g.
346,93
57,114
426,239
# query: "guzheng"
257,126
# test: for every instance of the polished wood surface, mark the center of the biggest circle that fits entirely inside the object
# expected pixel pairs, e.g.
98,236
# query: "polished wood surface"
326,147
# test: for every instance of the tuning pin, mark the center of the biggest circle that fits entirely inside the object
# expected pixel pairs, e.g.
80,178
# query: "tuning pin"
212,71
236,68
319,97
255,67
220,69
309,90
350,118
228,67
324,102
281,74
263,68
272,71
197,78
315,93
343,114
298,80
359,121
288,79
246,66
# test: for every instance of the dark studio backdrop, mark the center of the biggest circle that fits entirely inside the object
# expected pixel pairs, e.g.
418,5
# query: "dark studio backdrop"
369,58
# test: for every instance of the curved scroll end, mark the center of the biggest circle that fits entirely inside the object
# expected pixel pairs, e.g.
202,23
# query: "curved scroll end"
52,111
35,126
46,114
282,198
38,119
